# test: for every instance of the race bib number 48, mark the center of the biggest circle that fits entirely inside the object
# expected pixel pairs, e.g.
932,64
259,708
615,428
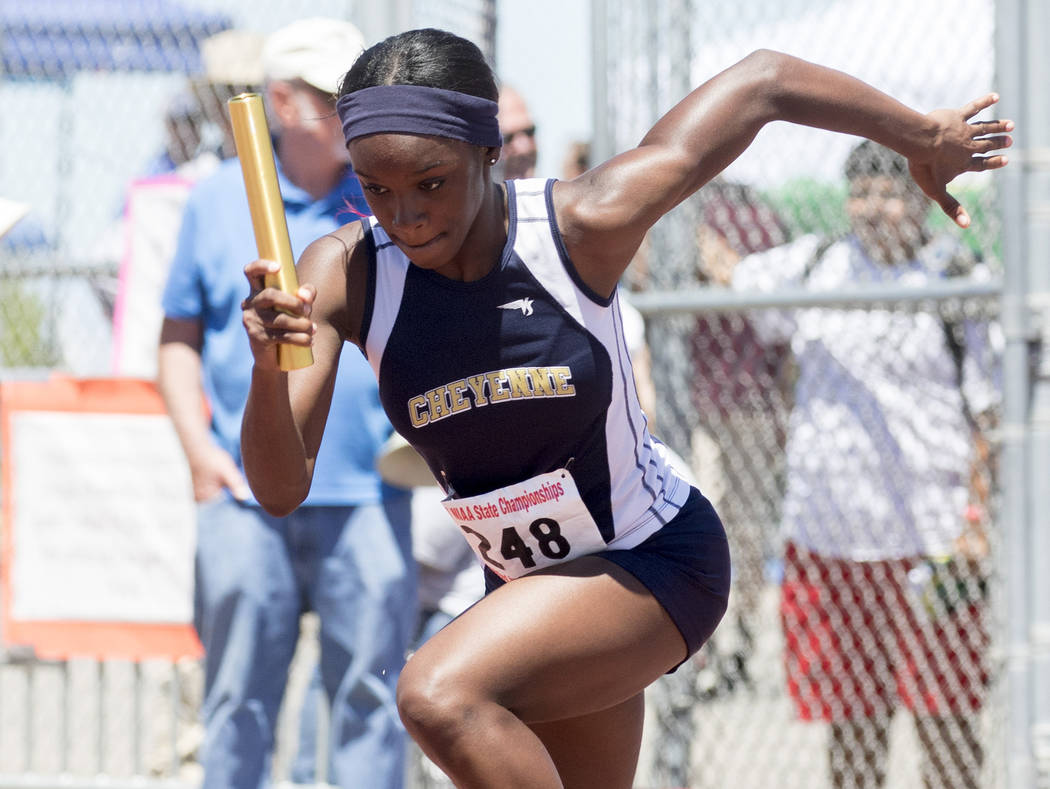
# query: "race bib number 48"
527,526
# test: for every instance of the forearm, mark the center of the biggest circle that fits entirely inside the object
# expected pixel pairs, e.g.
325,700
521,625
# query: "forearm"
716,123
605,214
273,452
179,383
285,414
811,95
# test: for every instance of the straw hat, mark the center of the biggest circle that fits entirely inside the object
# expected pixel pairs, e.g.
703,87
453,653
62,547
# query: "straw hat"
400,465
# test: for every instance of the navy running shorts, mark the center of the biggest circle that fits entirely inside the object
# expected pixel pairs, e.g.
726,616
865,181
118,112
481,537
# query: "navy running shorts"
685,566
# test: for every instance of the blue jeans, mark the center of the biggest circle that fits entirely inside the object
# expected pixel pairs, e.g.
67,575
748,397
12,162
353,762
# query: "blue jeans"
255,575
304,765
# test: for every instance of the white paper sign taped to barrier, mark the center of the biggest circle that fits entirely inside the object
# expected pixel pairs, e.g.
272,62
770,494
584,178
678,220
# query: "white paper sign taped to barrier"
103,523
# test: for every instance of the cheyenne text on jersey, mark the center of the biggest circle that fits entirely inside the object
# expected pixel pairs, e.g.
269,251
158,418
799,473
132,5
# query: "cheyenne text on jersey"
475,391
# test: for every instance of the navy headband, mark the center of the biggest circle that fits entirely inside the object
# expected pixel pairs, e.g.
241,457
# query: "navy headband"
414,109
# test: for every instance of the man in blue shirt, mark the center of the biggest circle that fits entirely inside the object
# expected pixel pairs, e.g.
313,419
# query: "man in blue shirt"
346,552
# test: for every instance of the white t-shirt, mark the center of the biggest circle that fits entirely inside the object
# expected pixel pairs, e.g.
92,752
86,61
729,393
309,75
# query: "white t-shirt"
879,449
450,578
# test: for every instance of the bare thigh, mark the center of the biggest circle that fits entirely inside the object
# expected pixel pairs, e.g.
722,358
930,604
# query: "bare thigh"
562,643
596,751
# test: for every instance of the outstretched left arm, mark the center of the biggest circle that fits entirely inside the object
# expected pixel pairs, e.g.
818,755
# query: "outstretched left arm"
605,213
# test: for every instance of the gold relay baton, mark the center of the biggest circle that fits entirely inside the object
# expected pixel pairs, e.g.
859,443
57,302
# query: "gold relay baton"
251,136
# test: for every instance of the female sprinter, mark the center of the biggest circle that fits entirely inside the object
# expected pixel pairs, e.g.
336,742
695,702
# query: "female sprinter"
488,311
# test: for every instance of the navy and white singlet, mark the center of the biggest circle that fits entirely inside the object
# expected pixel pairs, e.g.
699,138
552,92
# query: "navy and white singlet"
520,373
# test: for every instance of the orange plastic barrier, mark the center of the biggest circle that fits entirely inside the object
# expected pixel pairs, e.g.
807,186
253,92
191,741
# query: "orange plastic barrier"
104,527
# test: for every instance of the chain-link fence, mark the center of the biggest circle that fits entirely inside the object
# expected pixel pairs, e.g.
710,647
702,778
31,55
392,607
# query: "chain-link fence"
113,109
99,95
836,461
827,353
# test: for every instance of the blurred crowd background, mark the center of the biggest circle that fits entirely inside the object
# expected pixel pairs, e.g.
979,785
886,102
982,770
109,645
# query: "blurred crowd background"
112,108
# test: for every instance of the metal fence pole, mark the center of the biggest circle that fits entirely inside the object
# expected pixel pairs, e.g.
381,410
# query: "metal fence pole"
489,36
176,694
30,705
379,20
100,711
137,717
1015,81
1035,166
601,144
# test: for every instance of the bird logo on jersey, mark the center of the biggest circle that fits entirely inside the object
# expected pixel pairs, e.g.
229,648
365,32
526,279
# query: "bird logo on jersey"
525,305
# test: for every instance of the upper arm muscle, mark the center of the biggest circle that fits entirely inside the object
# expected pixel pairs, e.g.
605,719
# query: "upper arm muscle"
605,213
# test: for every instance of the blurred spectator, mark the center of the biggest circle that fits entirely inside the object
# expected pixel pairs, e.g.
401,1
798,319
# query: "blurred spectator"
740,391
11,213
21,315
737,414
518,156
883,591
346,552
183,132
144,239
450,576
19,231
450,580
577,160
232,65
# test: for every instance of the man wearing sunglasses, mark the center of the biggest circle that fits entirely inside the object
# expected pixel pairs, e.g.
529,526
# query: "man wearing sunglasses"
519,135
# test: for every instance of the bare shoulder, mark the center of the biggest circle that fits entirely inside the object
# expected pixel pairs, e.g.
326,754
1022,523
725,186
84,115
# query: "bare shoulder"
334,247
600,224
336,264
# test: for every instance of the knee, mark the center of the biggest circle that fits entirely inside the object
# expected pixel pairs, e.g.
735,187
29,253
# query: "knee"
435,706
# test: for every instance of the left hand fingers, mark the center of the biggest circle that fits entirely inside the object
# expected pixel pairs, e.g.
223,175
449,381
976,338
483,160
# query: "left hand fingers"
937,190
984,102
986,128
981,163
989,144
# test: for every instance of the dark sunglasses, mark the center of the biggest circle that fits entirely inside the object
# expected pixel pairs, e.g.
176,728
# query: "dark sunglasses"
528,131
